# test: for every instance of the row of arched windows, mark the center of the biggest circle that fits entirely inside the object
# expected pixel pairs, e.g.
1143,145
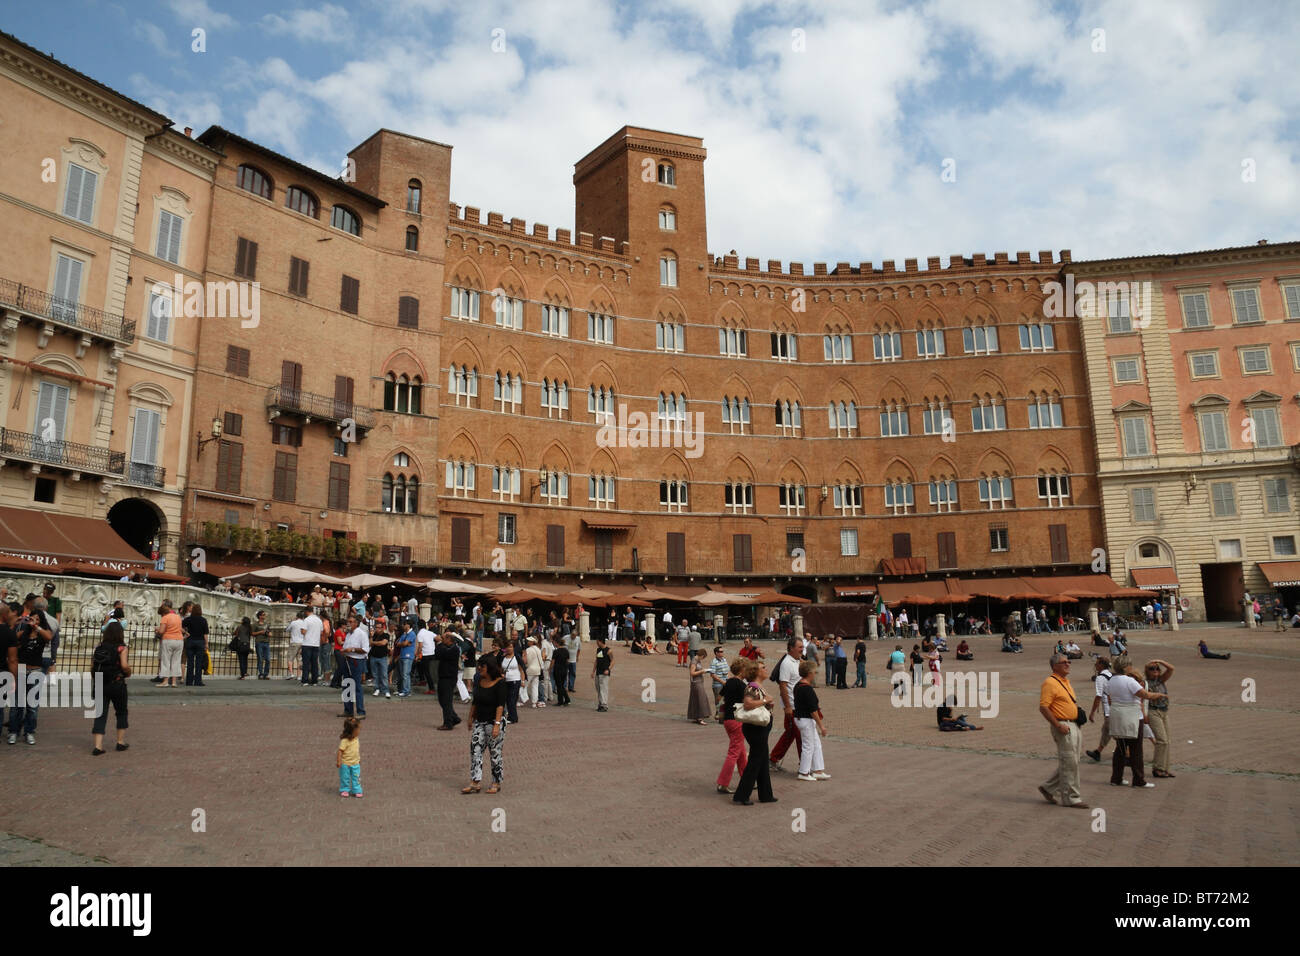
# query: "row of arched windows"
299,199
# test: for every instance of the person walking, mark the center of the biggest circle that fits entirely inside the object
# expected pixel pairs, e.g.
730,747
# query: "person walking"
1126,725
446,655
1158,673
241,644
171,644
860,662
697,708
348,759
560,674
356,654
312,629
426,646
718,672
574,644
405,658
787,675
1057,704
600,671
757,762
514,677
196,647
683,636
487,729
841,664
808,718
1100,680
533,668
294,651
733,693
261,634
110,660
379,650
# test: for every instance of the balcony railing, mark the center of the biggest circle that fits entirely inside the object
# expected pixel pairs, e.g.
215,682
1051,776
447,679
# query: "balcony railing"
310,405
61,454
152,476
65,313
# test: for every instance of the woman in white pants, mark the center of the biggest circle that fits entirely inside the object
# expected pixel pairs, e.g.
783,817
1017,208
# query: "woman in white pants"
808,719
533,665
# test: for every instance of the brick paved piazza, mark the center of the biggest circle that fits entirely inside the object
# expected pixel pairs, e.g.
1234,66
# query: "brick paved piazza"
636,785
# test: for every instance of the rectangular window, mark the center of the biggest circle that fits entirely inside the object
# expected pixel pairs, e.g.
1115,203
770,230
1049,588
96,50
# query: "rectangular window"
947,549
1196,312
670,337
1230,548
676,552
929,343
285,486
408,312
169,236
505,528
237,361
604,556
508,312
1254,360
794,543
902,545
849,542
1059,542
230,466
158,323
1223,497
1276,500
668,271
298,271
1214,431
51,414
67,288
995,492
290,435
1267,427
1245,304
339,487
460,541
1204,364
555,321
350,295
1127,370
1117,310
998,539
1144,504
144,446
1037,338
1134,429
1292,295
79,200
340,448
742,552
246,259
232,424
600,328
1284,545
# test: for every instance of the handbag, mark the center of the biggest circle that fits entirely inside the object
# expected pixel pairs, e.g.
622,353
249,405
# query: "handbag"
760,716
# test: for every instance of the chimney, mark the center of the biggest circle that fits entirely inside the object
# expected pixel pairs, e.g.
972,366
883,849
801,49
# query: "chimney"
189,131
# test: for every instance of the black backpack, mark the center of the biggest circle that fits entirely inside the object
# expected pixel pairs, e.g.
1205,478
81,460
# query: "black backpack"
775,676
107,662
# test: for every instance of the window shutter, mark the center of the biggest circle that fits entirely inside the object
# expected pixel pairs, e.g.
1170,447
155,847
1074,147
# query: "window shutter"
339,486
902,545
555,545
342,396
460,541
350,295
144,437
230,465
1059,543
676,552
290,377
408,312
947,549
232,424
67,279
741,554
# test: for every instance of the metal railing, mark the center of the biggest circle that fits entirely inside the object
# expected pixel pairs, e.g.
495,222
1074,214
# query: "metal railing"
65,312
61,454
324,407
138,473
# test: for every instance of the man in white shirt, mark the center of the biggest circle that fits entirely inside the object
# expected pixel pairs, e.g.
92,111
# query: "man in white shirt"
426,643
296,627
668,621
1100,680
1031,621
311,631
788,675
356,648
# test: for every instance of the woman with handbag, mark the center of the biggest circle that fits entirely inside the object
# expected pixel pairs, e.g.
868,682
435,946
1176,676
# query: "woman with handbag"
699,709
1127,723
733,696
241,644
756,719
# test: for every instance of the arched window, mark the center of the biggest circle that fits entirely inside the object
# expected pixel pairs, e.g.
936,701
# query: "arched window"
893,419
789,417
300,200
386,501
887,345
673,495
732,339
995,491
943,494
462,384
508,391
345,219
842,418
667,174
505,482
667,218
1045,410
402,394
412,239
898,497
600,491
738,497
979,337
253,180
792,499
988,413
460,478
600,402
413,196
668,269
848,499
735,414
937,415
929,340
1054,488
555,398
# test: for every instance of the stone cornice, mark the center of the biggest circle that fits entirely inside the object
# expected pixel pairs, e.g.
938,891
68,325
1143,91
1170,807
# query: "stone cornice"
1168,262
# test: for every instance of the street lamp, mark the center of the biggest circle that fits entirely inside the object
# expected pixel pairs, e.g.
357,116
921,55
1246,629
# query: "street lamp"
216,433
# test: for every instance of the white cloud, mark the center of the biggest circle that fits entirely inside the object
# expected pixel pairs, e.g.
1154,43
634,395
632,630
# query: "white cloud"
197,13
152,34
329,24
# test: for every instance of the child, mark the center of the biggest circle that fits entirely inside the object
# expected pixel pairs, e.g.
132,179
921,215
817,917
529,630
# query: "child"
808,718
349,759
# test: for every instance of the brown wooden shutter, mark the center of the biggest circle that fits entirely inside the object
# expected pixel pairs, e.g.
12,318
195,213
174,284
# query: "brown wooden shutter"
232,424
676,552
947,549
230,466
350,295
290,381
460,541
605,550
408,312
741,552
902,545
237,361
343,387
246,259
1056,534
285,487
340,486
298,275
555,545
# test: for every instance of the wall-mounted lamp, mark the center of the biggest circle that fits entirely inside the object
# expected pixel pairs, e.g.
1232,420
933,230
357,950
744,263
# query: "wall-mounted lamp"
542,477
216,433
825,492
1189,485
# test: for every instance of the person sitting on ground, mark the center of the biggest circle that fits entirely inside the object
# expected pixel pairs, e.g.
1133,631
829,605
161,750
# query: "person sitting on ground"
1072,650
1210,655
941,644
947,722
1098,640
1060,647
1118,644
1011,644
964,652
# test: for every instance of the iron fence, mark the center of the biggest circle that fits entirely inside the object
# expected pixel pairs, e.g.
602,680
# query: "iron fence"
66,312
61,454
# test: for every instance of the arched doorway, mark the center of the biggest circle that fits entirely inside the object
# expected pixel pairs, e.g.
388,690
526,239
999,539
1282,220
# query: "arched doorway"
801,590
139,522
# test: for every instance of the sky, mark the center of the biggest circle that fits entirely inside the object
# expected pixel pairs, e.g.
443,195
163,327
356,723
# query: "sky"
836,131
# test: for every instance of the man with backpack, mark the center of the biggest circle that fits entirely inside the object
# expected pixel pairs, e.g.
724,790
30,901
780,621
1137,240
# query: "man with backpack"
33,635
786,675
109,660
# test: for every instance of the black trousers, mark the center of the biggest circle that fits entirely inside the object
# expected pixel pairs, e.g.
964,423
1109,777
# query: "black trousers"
512,701
756,769
243,662
446,688
1128,750
841,671
195,660
561,687
114,693
431,680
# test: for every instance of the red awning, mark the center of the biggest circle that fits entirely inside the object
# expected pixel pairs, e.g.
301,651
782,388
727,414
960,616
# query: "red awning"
1155,579
1281,574
56,540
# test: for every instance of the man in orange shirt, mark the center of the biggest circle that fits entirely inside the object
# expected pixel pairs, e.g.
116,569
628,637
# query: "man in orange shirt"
169,645
1057,704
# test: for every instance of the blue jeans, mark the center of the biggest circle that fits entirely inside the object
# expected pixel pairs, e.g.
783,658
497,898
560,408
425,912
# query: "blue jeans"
379,674
263,659
310,660
350,778
573,673
326,654
195,660
356,671
830,669
404,674
862,674
22,720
